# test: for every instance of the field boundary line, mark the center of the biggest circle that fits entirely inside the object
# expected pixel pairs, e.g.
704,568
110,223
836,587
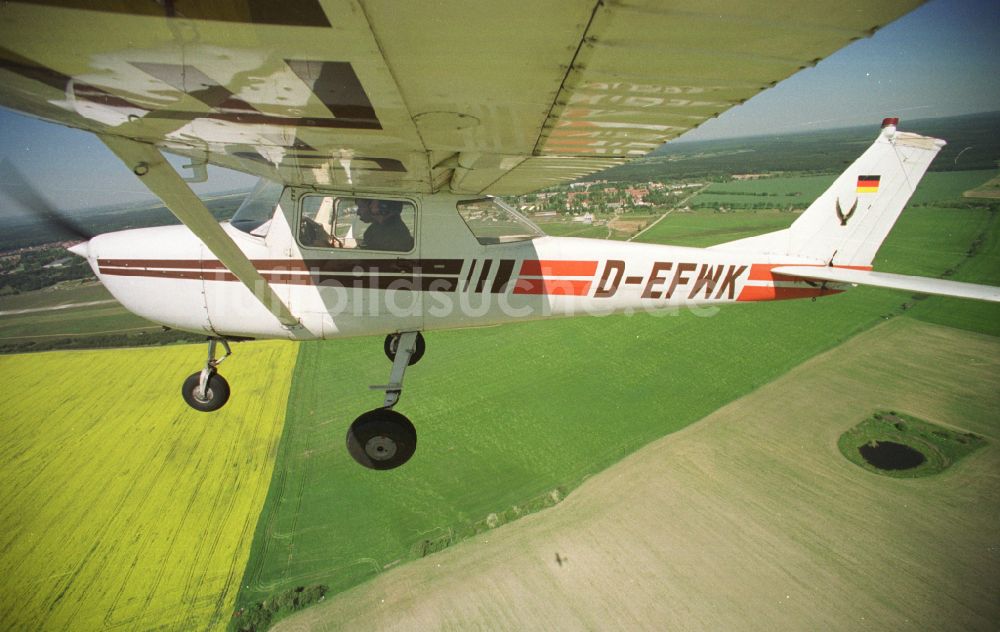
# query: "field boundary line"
32,310
89,333
672,209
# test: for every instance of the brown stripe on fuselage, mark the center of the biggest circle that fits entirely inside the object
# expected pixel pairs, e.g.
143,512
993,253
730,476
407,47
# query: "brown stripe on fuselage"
372,266
502,278
487,264
199,275
379,282
468,276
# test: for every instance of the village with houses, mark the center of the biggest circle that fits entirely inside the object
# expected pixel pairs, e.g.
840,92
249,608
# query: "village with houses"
604,208
601,197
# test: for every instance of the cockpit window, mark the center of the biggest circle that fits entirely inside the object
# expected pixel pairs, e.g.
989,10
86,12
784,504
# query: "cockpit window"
493,222
254,215
366,223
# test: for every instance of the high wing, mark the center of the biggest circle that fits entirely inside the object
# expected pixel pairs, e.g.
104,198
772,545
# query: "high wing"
381,95
920,285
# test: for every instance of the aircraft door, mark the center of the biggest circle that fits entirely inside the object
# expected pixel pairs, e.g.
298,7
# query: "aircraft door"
360,254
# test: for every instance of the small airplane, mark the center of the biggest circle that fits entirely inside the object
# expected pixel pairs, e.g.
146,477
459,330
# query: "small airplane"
383,134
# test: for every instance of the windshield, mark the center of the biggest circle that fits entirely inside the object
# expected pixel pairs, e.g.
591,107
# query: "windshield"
493,222
254,215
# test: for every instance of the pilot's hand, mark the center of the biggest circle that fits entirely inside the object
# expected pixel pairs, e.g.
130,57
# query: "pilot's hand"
309,231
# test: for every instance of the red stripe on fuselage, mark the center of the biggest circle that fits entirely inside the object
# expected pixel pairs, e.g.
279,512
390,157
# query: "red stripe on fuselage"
565,287
771,293
550,268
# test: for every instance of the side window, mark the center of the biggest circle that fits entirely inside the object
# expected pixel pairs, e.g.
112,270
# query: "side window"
365,223
493,222
255,213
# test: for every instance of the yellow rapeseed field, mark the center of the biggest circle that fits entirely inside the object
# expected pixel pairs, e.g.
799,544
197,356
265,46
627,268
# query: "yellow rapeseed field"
120,507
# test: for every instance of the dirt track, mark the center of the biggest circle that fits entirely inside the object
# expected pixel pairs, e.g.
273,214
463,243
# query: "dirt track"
748,520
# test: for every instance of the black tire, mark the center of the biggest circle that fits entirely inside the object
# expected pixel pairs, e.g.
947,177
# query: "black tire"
392,343
216,392
381,439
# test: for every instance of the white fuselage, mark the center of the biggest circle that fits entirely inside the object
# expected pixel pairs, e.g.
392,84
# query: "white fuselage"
448,280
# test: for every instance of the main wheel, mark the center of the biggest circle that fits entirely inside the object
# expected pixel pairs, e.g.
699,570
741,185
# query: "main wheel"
381,439
216,392
392,344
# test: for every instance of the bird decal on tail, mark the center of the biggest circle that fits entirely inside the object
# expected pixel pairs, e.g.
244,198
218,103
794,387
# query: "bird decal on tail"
840,212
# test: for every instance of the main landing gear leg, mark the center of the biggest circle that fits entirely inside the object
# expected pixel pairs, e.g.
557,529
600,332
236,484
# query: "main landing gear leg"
383,439
206,390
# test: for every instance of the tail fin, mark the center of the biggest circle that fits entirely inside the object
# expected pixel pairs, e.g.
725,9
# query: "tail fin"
846,225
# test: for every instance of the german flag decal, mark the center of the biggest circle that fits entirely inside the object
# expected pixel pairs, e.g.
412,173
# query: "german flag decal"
868,184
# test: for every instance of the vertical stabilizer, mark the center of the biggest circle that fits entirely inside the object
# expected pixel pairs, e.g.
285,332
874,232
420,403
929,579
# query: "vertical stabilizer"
846,225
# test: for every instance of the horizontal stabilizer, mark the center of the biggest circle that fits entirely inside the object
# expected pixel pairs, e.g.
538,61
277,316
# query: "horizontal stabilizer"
921,285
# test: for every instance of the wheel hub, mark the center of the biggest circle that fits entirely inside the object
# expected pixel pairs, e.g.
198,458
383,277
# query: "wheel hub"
380,448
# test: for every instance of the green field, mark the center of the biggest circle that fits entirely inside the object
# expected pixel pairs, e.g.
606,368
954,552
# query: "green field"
574,229
773,193
121,508
62,294
704,228
98,311
750,519
780,192
75,315
941,188
980,263
565,228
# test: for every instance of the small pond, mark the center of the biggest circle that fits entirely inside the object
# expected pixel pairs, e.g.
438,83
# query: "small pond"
888,455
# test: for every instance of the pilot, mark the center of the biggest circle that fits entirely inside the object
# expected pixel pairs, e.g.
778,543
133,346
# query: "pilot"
387,230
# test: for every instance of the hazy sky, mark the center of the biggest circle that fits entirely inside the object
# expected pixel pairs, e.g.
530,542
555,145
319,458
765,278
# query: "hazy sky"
943,59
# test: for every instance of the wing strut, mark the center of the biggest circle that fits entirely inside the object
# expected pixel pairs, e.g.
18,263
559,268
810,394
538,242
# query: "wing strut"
155,172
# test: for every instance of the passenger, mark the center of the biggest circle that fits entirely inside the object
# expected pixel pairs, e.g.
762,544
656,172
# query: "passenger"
387,230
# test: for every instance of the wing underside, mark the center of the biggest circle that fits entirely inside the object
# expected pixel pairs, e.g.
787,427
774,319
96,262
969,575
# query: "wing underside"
472,97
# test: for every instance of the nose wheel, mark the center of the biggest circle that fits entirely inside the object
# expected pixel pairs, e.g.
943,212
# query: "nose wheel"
206,390
392,345
383,439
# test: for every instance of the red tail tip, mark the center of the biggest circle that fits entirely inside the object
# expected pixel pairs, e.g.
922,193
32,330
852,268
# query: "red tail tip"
886,122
